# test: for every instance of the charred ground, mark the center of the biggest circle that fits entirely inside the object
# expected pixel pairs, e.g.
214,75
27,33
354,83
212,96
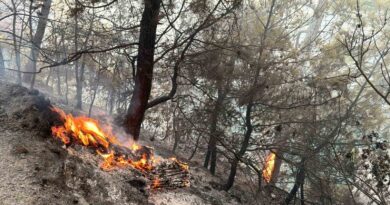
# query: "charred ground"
35,168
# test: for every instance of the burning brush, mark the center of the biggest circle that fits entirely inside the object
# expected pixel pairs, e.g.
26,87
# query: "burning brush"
163,173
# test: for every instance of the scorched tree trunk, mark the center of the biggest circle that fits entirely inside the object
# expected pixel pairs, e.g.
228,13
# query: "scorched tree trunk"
144,71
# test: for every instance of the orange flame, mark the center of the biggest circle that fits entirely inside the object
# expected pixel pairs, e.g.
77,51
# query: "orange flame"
156,183
88,132
269,167
84,130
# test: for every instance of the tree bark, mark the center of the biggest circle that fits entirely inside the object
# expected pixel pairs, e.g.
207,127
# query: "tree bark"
48,77
2,63
58,82
299,180
144,75
80,70
79,84
244,146
66,86
176,135
94,93
112,93
36,43
211,155
16,44
79,81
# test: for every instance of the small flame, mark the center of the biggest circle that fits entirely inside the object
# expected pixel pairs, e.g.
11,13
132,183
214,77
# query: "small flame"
135,147
156,183
269,167
88,132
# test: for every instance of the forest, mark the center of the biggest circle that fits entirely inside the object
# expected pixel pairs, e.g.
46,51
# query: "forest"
197,101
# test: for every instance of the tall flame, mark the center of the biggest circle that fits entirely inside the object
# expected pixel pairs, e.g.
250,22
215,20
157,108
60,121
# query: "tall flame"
84,130
269,167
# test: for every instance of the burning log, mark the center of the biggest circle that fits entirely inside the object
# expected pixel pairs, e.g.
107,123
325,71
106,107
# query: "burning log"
163,173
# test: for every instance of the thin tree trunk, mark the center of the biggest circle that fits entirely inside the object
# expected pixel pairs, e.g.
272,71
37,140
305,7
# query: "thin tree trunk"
2,63
79,84
176,135
232,175
76,66
66,86
211,155
57,70
195,149
36,42
302,193
144,75
15,44
58,81
112,101
94,94
80,70
299,180
66,75
223,86
244,146
48,77
259,181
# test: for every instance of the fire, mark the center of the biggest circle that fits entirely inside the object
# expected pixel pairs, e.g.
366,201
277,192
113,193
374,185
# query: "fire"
269,167
88,132
84,130
156,183
135,147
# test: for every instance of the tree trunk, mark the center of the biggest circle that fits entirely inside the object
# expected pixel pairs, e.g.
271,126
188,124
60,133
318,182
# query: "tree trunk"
211,155
94,93
144,75
80,70
244,146
195,149
176,135
299,180
58,81
2,63
79,84
111,100
36,43
76,66
232,175
66,86
48,77
15,43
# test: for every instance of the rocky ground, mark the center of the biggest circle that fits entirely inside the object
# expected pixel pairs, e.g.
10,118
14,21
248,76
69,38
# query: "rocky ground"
36,169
